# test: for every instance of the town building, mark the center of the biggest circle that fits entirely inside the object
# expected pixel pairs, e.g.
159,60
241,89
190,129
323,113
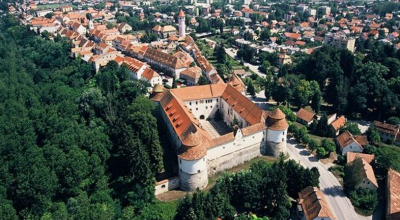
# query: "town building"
124,27
387,132
164,32
349,143
368,175
305,117
312,205
191,75
215,127
340,40
338,123
393,195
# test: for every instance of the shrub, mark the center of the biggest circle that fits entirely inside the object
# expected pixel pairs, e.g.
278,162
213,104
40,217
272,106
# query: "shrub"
312,144
321,152
364,198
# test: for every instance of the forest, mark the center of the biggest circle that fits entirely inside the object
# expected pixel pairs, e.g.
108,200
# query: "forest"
73,145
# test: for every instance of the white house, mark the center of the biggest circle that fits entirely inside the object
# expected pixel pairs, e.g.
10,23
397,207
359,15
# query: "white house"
369,180
349,143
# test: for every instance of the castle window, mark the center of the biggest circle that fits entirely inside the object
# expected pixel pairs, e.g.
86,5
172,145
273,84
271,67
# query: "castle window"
206,107
180,161
198,171
283,139
163,186
204,159
190,103
197,109
253,136
283,133
196,102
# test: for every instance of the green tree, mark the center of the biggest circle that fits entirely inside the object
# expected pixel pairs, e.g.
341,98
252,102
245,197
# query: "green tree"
373,135
321,152
202,80
353,174
352,127
394,121
250,89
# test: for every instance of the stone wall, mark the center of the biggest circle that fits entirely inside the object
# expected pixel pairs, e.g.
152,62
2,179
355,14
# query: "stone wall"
190,182
166,185
274,149
233,159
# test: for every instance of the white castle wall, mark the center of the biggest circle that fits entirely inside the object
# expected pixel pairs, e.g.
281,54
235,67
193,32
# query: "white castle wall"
167,185
228,114
192,166
276,136
233,153
205,107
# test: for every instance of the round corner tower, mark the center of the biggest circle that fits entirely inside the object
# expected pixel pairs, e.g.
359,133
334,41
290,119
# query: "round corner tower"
276,132
182,25
192,161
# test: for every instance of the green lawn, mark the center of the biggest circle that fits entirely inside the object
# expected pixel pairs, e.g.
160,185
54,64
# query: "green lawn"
53,6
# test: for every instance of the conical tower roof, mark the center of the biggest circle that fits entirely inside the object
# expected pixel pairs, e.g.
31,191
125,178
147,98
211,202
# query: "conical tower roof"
277,114
181,13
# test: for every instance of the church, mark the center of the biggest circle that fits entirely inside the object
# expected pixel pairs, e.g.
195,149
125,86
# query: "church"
214,128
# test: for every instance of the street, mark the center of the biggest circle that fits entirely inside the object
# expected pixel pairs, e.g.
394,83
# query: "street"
329,185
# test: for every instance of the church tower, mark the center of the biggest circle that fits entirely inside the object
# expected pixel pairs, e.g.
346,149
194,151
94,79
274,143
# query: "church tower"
182,25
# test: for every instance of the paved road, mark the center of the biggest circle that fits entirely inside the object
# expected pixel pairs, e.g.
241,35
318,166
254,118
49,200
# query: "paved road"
330,186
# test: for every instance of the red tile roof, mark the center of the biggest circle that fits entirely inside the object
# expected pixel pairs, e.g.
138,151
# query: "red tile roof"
314,204
393,192
305,115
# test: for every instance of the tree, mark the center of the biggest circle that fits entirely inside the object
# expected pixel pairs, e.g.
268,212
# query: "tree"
328,145
313,144
394,121
268,88
373,135
49,15
352,127
202,80
321,152
174,84
316,97
365,199
303,93
250,89
353,174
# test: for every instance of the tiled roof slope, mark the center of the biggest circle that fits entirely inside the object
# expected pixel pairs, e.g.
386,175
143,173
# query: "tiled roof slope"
314,204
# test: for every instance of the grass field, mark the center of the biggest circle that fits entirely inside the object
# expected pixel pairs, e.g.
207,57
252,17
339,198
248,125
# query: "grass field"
53,6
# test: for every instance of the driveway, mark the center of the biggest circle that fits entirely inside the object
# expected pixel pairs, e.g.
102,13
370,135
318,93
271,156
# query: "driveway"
329,185
362,125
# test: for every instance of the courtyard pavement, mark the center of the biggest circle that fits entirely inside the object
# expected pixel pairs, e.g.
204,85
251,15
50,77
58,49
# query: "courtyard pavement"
215,128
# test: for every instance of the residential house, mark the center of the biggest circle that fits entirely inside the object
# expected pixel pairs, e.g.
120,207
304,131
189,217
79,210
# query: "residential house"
124,27
338,124
387,132
139,70
349,143
191,75
393,195
312,205
78,27
237,83
351,156
305,117
369,180
164,32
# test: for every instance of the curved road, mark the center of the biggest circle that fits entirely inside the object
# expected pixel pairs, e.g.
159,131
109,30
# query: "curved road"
329,185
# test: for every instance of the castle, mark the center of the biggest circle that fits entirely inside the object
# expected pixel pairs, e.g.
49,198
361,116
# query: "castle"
194,117
215,127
